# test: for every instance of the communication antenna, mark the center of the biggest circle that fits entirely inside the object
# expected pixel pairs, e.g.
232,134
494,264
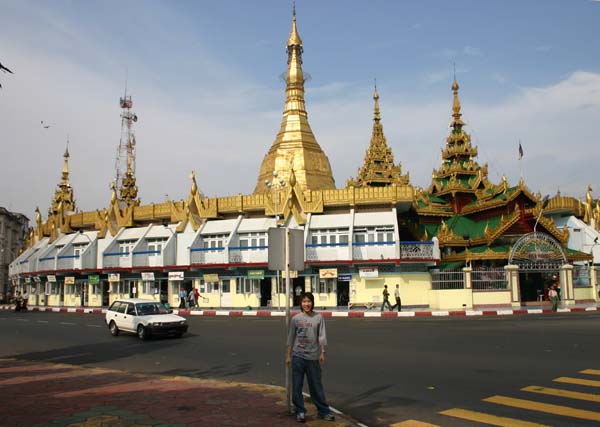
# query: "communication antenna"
126,151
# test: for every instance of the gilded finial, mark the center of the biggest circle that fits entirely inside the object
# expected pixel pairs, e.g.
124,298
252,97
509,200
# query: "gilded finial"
194,189
294,39
376,99
456,114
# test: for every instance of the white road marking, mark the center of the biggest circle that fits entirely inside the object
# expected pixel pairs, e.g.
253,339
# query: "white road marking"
67,323
94,326
42,321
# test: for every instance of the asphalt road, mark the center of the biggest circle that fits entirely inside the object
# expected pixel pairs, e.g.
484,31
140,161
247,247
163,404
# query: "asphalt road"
380,371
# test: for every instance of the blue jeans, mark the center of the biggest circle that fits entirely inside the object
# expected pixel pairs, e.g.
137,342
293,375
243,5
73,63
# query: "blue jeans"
388,304
312,369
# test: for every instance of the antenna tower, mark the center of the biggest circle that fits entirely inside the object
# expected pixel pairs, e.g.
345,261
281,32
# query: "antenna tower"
126,152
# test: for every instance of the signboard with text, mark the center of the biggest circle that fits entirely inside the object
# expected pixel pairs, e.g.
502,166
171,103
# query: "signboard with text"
368,272
114,277
256,274
211,278
51,279
175,275
93,279
148,277
69,280
328,273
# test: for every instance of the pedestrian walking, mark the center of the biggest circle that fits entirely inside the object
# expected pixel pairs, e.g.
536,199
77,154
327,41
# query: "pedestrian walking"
192,298
18,301
553,294
197,296
386,298
182,297
306,344
398,304
25,300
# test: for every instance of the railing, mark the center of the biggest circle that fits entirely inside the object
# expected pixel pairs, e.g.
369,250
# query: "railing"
208,255
326,251
416,250
374,250
443,280
248,254
490,279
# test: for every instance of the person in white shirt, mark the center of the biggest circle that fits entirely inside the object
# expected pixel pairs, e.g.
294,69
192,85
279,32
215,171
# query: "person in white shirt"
398,304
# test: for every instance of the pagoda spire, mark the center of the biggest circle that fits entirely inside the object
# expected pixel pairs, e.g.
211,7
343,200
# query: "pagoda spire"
63,195
460,176
378,169
295,146
457,123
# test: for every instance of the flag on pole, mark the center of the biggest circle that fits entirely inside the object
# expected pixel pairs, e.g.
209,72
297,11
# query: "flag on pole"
520,151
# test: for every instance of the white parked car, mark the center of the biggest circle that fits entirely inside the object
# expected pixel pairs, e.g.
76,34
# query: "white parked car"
144,318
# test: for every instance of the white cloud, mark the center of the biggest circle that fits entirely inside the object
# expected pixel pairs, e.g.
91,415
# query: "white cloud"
223,127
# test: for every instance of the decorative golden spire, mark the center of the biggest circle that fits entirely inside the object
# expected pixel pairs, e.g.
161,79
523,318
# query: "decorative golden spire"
295,145
129,190
456,114
63,195
378,169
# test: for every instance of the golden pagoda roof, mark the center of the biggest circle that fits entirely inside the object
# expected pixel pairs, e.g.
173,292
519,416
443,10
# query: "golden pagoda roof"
295,146
378,169
459,172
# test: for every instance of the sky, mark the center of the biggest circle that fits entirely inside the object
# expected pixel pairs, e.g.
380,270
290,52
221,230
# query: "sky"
206,86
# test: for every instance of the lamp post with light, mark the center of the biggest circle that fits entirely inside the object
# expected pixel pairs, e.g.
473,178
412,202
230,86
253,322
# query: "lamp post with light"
276,185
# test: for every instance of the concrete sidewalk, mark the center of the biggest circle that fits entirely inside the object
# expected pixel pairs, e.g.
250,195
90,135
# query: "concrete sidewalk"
47,394
343,312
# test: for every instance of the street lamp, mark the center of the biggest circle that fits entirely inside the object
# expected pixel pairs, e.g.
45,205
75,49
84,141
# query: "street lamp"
275,186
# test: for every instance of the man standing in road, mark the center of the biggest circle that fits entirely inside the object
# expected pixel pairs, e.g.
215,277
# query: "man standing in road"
25,299
182,297
306,354
386,298
398,300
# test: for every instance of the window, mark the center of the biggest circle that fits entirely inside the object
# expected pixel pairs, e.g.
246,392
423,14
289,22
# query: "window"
331,236
96,289
155,246
78,250
126,247
327,286
71,289
214,241
244,285
115,306
226,286
254,241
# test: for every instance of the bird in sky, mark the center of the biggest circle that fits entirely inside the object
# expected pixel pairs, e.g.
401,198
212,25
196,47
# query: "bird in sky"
3,68
45,125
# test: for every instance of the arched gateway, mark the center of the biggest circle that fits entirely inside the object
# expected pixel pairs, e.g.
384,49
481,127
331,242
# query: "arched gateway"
539,257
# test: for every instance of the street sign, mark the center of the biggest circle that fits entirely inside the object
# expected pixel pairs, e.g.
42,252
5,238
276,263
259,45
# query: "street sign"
93,279
328,273
69,280
368,272
211,278
345,278
114,277
277,249
256,274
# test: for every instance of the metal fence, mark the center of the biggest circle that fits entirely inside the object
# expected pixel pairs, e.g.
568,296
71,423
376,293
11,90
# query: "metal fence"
489,279
442,280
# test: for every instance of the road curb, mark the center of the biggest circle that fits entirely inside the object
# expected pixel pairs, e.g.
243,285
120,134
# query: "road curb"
346,314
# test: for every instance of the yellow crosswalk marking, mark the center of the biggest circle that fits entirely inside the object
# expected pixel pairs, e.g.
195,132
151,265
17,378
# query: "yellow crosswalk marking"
545,407
413,423
481,417
563,393
590,372
578,381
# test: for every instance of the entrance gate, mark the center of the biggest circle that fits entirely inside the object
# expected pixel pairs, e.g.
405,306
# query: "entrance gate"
539,257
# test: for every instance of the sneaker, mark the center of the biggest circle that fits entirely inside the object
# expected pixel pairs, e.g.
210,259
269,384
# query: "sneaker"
327,417
300,417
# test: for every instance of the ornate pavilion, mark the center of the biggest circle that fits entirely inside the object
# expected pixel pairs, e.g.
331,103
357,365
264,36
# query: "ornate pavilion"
499,242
